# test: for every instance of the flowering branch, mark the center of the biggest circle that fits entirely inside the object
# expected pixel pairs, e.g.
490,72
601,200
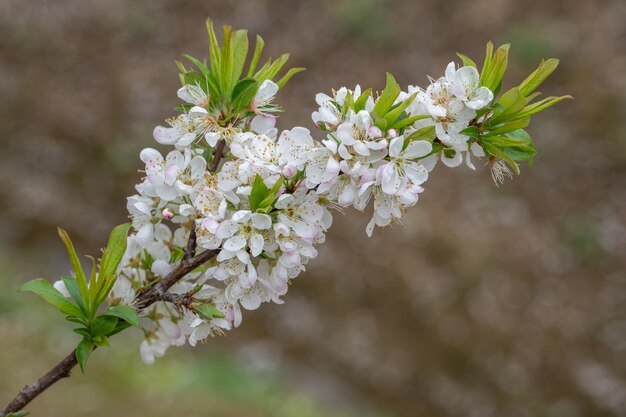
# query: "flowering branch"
63,368
257,202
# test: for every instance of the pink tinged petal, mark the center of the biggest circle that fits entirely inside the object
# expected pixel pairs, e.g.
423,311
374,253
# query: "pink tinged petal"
390,180
289,171
167,214
374,132
235,243
395,147
418,148
392,133
210,225
256,244
261,221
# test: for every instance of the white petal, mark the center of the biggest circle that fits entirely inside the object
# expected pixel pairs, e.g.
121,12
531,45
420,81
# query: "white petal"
256,244
261,221
418,148
235,243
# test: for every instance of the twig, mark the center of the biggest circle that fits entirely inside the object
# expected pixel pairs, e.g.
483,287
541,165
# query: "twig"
157,292
62,369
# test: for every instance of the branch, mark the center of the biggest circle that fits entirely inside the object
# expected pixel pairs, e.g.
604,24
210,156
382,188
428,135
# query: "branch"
142,300
157,292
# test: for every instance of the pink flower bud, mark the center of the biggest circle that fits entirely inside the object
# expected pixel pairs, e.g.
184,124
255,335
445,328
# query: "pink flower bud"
374,132
167,214
392,133
289,171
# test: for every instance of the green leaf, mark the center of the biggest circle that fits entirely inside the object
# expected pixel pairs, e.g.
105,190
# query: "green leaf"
120,326
72,288
487,62
240,53
226,63
396,111
207,311
214,48
52,296
407,121
511,102
361,101
243,93
81,279
285,78
256,56
103,325
270,69
114,251
466,60
498,66
22,413
200,65
259,193
471,131
539,106
125,313
83,350
538,76
425,133
494,151
388,97
83,331
509,127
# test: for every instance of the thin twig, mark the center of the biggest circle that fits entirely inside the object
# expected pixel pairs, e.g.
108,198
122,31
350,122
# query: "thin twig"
144,299
157,292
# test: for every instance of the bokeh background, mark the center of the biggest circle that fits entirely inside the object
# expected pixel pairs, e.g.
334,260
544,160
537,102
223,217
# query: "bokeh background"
506,301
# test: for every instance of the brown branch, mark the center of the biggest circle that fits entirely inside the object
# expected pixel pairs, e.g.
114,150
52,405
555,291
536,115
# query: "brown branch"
144,299
158,292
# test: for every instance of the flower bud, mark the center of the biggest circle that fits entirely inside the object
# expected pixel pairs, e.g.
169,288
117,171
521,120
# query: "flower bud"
392,133
289,171
167,214
374,132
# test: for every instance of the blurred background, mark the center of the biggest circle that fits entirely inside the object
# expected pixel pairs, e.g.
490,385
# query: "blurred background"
506,301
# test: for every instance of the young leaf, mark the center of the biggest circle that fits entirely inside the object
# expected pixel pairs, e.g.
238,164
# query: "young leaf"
361,101
22,413
214,48
103,325
466,60
256,56
487,63
471,131
243,93
207,311
259,193
539,106
115,249
395,112
52,296
226,62
285,78
84,349
538,76
388,97
240,53
425,133
81,279
72,288
125,313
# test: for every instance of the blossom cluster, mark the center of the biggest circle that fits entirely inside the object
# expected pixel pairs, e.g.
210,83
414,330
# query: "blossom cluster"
266,205
261,200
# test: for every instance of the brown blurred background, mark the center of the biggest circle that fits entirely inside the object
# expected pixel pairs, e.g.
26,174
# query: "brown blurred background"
490,301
